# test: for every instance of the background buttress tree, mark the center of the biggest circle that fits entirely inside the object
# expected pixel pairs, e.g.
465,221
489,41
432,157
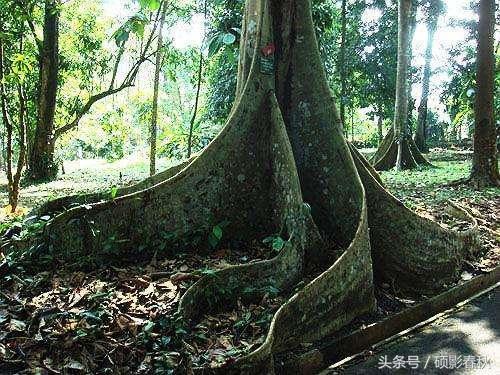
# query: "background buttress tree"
398,148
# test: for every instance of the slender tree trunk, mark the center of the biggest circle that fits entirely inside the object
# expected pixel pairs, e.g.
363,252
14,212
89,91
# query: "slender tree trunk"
421,132
42,164
412,27
154,114
342,67
198,89
13,178
485,162
7,122
14,194
22,141
195,108
401,106
2,151
379,128
352,124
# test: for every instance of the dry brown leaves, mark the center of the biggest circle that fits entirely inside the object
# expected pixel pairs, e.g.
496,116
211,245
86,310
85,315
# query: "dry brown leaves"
116,320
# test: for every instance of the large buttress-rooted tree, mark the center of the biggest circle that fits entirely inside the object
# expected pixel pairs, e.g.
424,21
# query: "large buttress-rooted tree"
280,165
485,162
398,148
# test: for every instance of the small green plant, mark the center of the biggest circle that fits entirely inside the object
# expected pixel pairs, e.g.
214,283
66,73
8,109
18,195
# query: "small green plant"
277,243
215,236
113,192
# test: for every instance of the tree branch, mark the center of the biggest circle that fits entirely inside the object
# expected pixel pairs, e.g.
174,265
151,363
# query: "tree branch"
92,100
128,81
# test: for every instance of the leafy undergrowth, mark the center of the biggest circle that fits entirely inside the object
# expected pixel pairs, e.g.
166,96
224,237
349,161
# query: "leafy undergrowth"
123,320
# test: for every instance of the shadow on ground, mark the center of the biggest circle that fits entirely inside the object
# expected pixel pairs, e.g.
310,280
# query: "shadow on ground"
465,342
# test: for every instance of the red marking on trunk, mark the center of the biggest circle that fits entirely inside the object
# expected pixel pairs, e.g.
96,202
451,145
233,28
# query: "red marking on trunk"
268,49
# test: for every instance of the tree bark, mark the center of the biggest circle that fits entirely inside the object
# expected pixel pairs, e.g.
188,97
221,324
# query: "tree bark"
195,107
485,163
421,131
280,165
154,111
379,128
342,67
41,162
412,27
401,107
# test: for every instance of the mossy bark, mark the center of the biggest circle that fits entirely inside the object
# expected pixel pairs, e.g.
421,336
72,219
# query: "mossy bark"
41,164
280,165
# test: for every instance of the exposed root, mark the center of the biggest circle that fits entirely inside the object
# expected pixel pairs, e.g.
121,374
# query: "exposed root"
408,250
477,181
56,206
390,153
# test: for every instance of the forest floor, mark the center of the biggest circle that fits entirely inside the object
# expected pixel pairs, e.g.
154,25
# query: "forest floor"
123,319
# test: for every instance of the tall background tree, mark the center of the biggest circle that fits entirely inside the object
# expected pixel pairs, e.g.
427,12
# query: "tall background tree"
433,9
42,164
41,161
13,76
156,86
485,163
398,148
377,66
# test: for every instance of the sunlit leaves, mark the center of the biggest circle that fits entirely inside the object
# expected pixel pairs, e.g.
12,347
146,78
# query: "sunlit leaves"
137,23
21,66
134,25
150,4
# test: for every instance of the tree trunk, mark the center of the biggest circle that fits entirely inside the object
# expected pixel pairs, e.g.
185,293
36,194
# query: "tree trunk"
401,107
399,150
485,162
280,165
195,108
421,131
379,128
198,89
41,162
342,67
154,112
412,26
13,177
